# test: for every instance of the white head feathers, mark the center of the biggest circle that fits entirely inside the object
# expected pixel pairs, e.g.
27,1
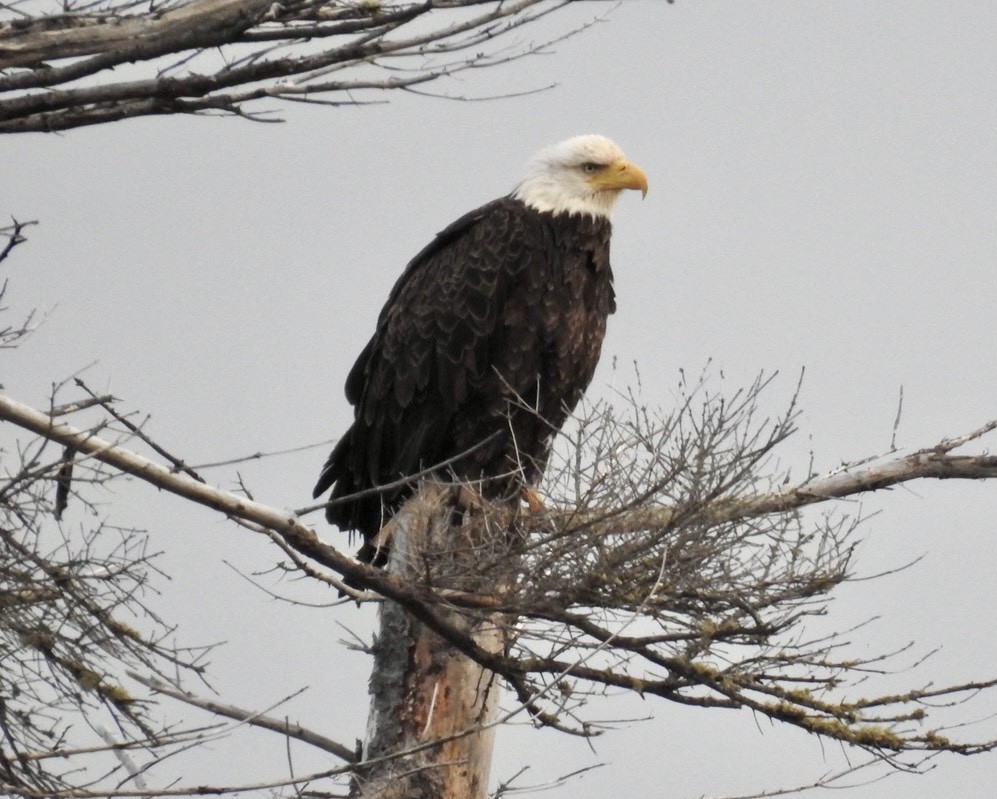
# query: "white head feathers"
582,175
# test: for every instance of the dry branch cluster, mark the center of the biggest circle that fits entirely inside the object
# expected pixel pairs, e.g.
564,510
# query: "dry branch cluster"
669,561
68,64
73,618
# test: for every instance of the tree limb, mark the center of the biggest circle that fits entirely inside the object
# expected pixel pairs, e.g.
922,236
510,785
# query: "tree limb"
198,24
58,72
716,591
929,463
251,717
925,464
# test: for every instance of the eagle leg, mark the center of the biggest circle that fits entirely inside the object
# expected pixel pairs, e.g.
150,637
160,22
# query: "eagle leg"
532,499
466,498
379,544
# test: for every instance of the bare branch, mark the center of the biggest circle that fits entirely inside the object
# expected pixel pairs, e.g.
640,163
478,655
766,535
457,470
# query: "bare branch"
65,70
31,42
930,463
723,573
253,718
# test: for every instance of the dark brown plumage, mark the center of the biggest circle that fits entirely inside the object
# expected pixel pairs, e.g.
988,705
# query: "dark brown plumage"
485,345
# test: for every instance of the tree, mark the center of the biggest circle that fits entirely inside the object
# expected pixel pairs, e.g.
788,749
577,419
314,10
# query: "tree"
670,561
86,65
94,671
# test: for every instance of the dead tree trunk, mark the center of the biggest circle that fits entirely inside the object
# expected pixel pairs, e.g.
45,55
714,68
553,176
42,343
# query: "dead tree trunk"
429,733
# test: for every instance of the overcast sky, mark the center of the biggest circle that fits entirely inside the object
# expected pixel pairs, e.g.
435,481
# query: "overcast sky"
823,195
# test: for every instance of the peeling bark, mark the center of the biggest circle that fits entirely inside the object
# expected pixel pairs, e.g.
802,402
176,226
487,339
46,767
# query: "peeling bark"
34,41
427,699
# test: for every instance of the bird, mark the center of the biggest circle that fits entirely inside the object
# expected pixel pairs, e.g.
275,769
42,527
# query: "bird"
485,345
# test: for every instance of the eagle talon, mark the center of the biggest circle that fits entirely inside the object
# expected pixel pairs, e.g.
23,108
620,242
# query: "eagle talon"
466,498
532,499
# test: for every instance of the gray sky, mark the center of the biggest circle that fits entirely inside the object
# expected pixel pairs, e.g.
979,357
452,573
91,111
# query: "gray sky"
823,195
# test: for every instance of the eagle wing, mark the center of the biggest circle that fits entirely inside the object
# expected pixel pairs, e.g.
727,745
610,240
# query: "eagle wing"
456,339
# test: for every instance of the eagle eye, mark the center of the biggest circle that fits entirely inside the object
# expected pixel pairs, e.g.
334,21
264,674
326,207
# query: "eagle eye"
590,167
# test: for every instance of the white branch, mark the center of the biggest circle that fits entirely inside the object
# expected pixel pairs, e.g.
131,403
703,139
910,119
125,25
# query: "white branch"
251,717
286,523
934,462
99,35
59,71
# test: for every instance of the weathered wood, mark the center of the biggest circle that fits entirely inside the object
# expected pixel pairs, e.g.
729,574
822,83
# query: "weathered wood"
427,699
30,42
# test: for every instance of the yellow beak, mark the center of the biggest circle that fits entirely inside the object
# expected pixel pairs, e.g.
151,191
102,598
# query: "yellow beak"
620,175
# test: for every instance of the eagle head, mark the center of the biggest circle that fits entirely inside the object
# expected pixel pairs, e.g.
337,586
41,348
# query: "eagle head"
581,175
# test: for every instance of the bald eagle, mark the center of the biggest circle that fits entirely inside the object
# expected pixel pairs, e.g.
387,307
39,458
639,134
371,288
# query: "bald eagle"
486,342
